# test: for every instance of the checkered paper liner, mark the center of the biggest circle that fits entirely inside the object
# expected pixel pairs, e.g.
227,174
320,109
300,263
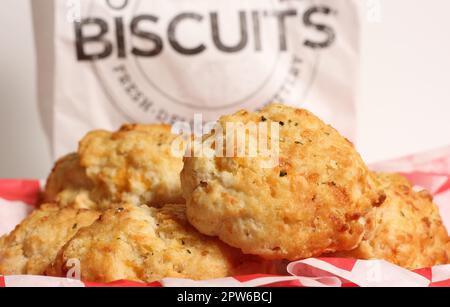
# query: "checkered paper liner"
430,170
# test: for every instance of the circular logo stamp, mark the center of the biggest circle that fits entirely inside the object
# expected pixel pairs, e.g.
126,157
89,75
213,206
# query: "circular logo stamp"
161,60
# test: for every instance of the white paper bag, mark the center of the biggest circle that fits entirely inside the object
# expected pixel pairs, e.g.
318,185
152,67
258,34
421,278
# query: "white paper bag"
106,62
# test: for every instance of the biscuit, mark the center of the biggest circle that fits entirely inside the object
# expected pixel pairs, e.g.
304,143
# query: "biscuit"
314,200
68,185
33,245
406,230
134,165
146,244
2,242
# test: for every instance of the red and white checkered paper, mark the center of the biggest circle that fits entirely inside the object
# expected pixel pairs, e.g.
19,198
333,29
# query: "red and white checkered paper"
429,170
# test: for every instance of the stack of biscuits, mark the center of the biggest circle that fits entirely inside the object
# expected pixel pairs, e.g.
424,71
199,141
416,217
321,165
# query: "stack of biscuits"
125,207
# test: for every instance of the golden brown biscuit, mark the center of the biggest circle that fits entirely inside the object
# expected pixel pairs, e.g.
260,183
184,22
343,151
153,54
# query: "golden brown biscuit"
2,242
68,185
406,230
33,245
313,201
134,165
148,244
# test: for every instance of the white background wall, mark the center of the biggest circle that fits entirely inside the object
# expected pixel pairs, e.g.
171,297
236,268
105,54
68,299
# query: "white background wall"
24,151
405,97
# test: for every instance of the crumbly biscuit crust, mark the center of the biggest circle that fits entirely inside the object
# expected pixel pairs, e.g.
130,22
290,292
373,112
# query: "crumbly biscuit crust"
314,201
